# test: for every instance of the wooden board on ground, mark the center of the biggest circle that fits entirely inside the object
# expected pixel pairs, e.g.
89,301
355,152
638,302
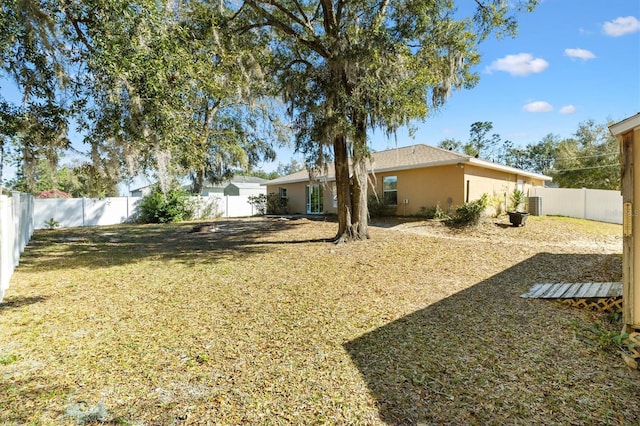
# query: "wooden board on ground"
574,290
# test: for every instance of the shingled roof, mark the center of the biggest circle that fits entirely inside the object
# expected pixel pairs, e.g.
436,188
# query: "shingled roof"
409,157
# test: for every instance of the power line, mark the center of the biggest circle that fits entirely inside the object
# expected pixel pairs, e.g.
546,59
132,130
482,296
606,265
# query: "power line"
586,156
586,168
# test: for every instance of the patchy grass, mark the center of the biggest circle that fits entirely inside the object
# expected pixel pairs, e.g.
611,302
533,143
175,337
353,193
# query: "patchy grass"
263,323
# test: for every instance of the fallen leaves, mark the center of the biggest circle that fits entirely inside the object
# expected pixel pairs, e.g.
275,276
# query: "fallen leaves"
263,323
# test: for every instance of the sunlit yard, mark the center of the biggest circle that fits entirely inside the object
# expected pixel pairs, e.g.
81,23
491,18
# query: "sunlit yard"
262,322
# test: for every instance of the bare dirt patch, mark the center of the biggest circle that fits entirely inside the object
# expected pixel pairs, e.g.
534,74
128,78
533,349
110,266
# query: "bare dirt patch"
262,322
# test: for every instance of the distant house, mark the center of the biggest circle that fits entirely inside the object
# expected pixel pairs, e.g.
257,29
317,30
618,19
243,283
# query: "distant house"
143,191
238,185
242,188
409,179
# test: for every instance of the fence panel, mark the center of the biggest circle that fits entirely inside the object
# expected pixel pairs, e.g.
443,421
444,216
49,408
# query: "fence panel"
593,204
65,211
238,206
16,228
603,205
107,211
68,212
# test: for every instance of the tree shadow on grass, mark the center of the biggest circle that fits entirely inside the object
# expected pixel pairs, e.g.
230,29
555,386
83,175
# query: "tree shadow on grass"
14,302
105,246
486,356
35,392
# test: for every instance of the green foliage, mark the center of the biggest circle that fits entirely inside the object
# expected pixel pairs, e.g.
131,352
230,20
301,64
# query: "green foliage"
377,208
469,213
348,67
602,335
588,160
292,167
51,224
277,205
159,207
496,202
517,199
436,213
259,203
8,359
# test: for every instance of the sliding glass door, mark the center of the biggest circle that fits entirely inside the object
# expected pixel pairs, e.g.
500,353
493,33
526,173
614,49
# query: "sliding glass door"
314,199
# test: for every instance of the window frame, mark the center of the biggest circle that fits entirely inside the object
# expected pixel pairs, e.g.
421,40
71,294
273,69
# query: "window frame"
393,180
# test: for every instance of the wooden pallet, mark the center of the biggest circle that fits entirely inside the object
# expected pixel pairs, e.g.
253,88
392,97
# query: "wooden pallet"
609,305
632,355
574,290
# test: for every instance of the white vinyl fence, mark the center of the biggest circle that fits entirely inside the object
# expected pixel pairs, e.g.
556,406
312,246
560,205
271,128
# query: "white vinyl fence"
68,212
593,204
16,228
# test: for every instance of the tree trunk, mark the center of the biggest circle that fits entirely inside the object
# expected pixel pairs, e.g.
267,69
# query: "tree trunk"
352,193
198,182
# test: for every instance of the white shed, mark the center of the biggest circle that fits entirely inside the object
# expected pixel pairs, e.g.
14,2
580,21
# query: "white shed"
245,188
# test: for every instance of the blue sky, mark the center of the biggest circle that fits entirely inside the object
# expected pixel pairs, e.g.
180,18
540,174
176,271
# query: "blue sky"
572,60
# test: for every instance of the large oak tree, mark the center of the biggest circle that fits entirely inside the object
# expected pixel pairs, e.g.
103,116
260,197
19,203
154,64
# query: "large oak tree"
346,67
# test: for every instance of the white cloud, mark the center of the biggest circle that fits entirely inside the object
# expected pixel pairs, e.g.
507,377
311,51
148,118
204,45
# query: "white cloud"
538,106
567,109
621,26
520,64
579,54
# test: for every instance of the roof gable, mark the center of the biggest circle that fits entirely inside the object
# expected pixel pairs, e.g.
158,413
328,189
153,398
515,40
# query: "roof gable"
629,123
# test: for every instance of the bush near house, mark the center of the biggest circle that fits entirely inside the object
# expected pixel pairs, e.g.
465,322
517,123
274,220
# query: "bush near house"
377,208
470,212
276,204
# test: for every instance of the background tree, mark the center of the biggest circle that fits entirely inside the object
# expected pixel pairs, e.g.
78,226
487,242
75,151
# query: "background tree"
153,85
292,167
348,67
451,144
588,160
481,145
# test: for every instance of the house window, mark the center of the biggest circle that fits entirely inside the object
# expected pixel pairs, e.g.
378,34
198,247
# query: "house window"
314,199
283,193
390,190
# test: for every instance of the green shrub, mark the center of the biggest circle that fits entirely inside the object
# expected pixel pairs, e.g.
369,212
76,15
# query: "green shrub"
159,207
517,199
379,209
276,205
469,213
433,213
259,204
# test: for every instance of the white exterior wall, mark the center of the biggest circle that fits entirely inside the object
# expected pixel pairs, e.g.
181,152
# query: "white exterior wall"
593,204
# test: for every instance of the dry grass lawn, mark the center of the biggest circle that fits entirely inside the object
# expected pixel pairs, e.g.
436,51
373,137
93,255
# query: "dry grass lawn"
264,323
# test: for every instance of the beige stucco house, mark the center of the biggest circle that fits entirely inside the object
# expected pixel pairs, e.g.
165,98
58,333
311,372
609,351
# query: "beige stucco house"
410,179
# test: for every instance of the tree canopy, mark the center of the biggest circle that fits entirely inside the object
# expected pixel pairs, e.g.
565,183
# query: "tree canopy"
156,86
346,67
190,86
588,159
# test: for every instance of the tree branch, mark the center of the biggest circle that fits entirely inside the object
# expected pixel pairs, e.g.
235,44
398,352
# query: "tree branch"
272,21
75,23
